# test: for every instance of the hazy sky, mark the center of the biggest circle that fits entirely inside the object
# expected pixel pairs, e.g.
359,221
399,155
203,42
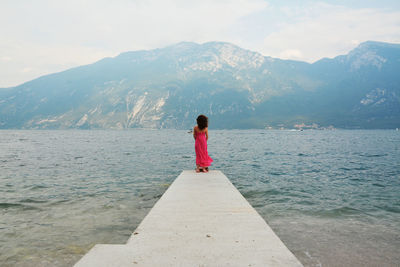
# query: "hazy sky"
45,36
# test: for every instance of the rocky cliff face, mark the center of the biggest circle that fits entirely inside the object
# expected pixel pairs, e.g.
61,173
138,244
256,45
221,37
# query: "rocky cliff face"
236,88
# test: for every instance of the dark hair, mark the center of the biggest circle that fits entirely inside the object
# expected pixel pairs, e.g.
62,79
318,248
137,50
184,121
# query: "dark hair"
202,122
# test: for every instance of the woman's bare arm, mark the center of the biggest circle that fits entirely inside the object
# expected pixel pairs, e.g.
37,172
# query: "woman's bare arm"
206,134
194,132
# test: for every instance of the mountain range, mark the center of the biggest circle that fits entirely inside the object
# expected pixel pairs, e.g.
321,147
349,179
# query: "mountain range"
234,87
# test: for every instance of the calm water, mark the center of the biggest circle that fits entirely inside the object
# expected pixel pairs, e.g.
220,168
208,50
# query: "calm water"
333,197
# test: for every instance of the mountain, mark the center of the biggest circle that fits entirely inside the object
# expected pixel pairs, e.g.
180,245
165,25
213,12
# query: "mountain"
236,88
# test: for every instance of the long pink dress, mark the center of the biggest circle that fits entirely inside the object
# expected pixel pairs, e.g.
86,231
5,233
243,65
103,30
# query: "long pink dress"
200,146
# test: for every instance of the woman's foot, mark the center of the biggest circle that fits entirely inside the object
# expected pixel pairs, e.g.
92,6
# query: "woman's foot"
205,169
197,169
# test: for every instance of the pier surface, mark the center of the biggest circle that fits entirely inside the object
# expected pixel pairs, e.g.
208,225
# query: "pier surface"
201,220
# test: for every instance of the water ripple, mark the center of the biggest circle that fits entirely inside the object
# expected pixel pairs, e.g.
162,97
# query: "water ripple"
61,187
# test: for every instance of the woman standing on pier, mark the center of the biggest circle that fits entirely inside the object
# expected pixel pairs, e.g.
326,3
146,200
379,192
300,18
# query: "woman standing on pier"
200,134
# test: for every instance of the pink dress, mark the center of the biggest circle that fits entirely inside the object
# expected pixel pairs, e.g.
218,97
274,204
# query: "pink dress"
200,146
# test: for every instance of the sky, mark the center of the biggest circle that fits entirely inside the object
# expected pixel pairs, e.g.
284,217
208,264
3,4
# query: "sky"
46,36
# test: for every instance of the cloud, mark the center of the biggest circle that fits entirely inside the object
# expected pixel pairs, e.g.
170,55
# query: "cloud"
27,69
5,58
27,60
323,30
291,53
50,36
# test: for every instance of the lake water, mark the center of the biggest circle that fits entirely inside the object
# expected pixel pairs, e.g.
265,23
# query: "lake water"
333,197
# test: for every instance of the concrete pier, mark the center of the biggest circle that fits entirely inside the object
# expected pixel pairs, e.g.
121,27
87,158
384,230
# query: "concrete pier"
201,220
